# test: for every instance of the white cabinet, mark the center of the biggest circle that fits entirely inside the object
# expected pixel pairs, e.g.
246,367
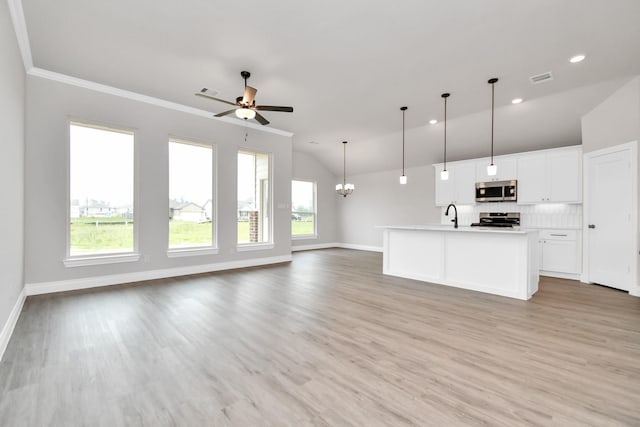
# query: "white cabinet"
507,169
553,176
560,253
459,188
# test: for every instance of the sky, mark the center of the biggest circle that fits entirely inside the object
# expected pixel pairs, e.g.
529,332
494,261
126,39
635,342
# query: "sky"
101,165
190,173
102,168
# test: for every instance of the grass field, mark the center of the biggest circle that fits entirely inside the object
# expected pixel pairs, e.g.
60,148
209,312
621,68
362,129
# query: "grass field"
116,235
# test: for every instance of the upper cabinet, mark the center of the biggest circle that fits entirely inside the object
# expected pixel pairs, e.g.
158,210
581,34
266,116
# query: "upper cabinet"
507,169
546,176
553,176
459,188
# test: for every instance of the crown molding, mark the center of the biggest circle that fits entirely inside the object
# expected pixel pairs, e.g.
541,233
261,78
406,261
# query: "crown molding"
98,87
20,28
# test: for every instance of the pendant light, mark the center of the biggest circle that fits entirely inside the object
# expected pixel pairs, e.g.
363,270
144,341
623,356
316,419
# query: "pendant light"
344,189
403,178
492,169
444,175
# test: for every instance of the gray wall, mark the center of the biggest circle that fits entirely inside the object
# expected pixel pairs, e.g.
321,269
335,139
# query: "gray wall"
50,105
11,166
306,167
379,199
615,121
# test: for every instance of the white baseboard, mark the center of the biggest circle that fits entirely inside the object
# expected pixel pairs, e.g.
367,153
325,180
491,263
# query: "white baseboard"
634,292
360,247
313,247
336,245
569,276
10,324
117,279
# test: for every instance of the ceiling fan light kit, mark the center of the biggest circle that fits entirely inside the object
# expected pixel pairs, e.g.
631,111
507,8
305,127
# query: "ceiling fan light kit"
246,104
245,113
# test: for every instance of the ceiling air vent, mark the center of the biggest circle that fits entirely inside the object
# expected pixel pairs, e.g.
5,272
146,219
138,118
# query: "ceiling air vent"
541,78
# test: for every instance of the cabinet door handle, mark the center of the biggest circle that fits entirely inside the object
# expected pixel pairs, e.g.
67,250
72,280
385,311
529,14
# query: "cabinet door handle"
592,226
559,235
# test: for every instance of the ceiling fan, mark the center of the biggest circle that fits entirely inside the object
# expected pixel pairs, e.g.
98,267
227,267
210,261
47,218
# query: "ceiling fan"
247,108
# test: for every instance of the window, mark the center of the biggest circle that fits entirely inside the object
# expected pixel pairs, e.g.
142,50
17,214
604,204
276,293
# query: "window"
101,186
303,209
191,210
254,201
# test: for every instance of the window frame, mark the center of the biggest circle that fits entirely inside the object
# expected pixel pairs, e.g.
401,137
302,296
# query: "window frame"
104,257
314,235
196,250
249,246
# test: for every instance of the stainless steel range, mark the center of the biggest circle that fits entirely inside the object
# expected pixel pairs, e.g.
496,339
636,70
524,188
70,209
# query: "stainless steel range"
498,219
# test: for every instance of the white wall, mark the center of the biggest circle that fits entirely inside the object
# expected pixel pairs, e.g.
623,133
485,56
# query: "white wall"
307,167
613,122
379,199
12,83
50,105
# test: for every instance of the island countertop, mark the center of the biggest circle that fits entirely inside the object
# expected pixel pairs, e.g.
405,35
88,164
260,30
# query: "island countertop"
462,228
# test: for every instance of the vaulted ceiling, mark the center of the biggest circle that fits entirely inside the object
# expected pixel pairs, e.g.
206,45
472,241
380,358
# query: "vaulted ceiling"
347,66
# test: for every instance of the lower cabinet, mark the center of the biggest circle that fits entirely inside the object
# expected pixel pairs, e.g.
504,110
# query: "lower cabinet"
560,253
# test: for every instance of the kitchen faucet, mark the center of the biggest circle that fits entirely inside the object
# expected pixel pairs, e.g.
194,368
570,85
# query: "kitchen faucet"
454,220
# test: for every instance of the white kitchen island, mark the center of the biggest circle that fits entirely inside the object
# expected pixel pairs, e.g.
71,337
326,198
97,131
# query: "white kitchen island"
496,261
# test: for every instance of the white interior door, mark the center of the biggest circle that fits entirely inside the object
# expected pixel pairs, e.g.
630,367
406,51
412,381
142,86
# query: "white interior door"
609,216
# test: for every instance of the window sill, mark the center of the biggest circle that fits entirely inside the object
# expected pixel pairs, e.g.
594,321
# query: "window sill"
177,253
304,237
100,260
254,247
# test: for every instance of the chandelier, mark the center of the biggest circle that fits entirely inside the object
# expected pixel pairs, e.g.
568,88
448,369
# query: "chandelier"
344,189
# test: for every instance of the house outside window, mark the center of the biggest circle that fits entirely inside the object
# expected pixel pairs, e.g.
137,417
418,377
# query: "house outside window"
254,198
191,205
101,190
303,209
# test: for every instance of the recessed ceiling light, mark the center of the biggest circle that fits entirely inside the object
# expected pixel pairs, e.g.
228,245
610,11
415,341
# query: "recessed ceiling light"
433,121
576,59
516,100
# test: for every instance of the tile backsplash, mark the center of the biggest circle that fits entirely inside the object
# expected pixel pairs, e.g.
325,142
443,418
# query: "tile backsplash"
548,215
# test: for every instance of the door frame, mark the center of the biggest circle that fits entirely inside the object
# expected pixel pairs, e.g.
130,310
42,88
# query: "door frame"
632,149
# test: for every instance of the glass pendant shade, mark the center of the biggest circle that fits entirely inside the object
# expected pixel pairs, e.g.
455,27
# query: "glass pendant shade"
403,179
444,175
492,169
245,113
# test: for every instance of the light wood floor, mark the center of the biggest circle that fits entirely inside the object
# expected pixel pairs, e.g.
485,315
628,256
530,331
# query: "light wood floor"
327,341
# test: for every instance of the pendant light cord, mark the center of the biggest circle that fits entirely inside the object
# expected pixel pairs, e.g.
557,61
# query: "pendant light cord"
403,141
403,111
344,165
492,81
445,96
445,133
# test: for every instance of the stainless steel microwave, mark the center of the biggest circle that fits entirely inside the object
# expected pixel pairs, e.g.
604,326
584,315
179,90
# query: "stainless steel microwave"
497,191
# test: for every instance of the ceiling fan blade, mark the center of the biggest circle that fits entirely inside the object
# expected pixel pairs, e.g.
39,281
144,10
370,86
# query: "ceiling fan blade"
203,94
249,95
224,113
274,108
261,119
